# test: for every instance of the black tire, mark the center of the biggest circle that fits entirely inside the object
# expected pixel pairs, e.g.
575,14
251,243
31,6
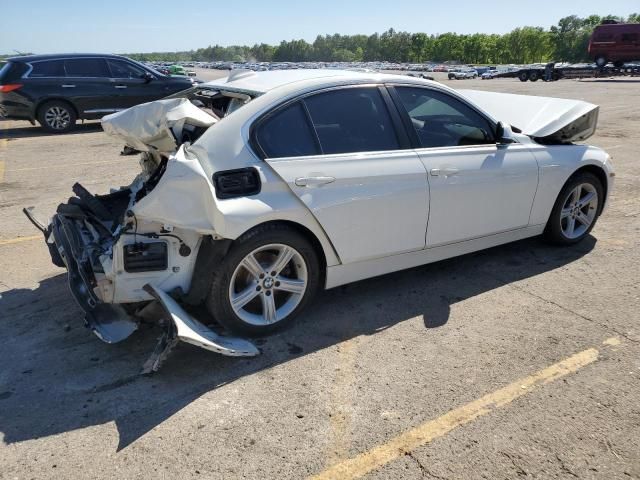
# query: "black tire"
218,302
57,116
523,76
601,61
534,76
553,231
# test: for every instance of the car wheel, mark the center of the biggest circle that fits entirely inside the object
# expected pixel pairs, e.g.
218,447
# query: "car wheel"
533,76
270,274
57,117
601,61
523,76
576,210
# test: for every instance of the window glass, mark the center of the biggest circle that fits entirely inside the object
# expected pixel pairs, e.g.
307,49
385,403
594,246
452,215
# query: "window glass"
121,69
49,68
629,37
441,120
287,134
86,67
352,120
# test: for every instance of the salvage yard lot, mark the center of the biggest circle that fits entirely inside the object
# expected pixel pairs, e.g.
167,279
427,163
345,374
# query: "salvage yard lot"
523,360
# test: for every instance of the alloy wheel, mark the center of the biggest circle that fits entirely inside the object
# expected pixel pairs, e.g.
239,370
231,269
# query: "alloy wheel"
579,210
57,118
268,284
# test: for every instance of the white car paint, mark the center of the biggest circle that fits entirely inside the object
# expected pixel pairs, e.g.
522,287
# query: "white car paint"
356,218
370,212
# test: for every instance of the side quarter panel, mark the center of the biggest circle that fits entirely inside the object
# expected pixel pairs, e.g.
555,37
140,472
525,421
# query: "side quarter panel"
557,163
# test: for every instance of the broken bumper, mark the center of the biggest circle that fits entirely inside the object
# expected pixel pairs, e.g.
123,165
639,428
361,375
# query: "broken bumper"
111,322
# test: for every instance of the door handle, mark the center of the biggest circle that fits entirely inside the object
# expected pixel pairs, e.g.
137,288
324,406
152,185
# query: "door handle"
314,181
121,86
445,172
66,85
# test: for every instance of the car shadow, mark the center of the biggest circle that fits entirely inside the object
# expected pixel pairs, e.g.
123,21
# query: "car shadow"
57,377
26,130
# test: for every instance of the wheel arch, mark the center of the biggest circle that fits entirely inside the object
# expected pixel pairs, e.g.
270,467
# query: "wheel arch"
600,174
309,235
44,101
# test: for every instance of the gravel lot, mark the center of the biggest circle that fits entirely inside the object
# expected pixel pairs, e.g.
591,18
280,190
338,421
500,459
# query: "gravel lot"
463,354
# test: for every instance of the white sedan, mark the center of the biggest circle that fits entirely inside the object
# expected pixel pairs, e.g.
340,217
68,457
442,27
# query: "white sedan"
261,188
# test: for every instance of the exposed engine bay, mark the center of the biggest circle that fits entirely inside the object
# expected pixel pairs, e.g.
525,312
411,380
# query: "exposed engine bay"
122,264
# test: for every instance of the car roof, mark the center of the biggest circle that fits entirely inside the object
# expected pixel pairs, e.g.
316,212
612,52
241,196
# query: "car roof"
262,82
56,56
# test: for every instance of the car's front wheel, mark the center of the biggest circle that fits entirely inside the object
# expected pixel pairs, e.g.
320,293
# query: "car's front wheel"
576,210
57,117
270,274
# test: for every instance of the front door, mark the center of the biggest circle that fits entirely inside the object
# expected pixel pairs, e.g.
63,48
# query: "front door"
339,153
478,188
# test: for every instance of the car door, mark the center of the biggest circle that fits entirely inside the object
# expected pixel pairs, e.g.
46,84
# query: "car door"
132,85
87,84
477,187
339,152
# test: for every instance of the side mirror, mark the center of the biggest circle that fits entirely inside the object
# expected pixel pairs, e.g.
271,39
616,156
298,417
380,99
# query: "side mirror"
147,77
501,139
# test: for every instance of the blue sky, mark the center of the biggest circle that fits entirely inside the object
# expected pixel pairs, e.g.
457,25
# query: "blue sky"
120,26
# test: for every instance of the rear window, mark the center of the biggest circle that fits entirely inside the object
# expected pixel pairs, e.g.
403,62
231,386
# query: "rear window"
86,67
287,134
352,120
48,68
11,71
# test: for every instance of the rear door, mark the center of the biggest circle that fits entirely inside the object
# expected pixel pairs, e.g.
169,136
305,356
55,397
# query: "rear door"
342,155
87,84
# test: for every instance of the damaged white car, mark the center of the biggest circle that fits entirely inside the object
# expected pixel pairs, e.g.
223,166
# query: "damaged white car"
259,189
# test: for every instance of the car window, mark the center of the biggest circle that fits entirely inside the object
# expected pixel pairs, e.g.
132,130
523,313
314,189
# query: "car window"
48,68
86,67
441,120
352,120
122,69
287,133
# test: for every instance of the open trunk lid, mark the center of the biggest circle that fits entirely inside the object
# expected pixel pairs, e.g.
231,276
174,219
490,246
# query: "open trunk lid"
543,118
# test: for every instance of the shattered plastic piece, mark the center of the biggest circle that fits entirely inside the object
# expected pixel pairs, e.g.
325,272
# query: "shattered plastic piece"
110,323
186,328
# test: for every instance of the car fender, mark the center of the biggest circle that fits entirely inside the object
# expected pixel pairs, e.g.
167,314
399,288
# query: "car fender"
557,163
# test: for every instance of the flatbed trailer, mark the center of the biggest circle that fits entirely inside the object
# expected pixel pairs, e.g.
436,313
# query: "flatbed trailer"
551,72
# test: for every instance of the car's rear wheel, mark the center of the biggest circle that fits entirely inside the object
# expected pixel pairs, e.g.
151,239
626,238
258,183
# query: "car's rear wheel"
576,210
269,276
601,61
523,76
533,76
57,117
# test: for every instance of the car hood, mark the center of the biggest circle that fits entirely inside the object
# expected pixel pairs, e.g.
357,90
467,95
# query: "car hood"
156,126
543,118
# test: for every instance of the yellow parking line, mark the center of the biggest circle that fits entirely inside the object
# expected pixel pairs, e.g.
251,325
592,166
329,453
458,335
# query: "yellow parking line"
421,435
11,241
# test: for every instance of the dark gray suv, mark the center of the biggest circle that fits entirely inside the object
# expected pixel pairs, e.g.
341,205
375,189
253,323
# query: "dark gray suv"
56,90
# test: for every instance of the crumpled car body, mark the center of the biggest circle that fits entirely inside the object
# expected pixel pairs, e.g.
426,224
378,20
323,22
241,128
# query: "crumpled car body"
214,179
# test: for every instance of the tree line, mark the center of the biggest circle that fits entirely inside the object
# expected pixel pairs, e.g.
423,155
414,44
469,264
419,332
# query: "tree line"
566,41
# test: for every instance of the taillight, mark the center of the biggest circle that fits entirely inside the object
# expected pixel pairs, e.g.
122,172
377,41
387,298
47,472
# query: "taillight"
10,87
